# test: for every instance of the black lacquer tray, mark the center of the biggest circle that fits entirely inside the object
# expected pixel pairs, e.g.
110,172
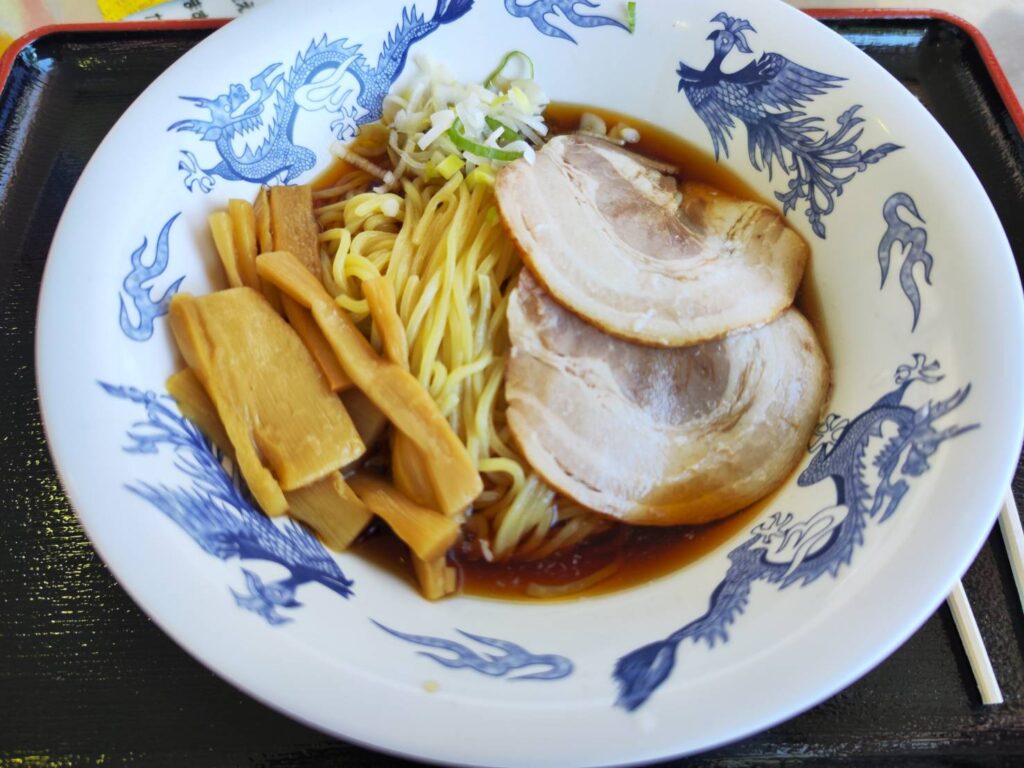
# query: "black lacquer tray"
87,679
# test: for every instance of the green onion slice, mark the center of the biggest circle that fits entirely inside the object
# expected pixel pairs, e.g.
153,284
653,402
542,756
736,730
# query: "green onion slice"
489,80
507,133
468,145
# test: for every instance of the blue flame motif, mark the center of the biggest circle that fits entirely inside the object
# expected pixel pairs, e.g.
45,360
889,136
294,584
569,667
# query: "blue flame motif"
914,240
538,11
512,658
137,284
352,89
785,550
768,96
215,511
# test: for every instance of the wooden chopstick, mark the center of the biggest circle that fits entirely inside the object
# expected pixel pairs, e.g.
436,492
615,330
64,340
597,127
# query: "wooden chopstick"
1013,538
970,636
963,616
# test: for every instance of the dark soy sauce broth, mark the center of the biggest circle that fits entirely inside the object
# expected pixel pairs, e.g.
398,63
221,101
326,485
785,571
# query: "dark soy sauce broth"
658,144
642,553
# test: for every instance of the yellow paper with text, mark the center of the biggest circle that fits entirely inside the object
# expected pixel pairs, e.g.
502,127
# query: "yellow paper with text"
114,10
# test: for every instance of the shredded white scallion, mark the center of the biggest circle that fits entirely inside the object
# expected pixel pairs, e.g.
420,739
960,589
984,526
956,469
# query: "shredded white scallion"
486,125
440,122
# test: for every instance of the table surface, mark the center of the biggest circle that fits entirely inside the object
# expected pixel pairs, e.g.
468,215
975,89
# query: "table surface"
86,678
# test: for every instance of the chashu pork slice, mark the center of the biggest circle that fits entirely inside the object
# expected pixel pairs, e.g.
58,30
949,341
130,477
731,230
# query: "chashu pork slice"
631,251
659,436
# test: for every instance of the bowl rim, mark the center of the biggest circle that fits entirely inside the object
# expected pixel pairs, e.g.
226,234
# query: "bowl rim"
105,548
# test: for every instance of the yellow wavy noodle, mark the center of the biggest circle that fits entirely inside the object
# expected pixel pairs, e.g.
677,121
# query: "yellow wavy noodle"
442,248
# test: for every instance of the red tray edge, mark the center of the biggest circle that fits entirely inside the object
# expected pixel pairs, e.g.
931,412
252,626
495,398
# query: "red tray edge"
988,56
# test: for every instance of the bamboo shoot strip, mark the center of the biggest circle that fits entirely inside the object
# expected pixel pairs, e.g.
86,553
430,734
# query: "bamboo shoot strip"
243,226
399,396
328,506
293,228
195,347
408,466
332,509
223,239
293,224
267,389
265,244
302,321
436,577
428,533
370,422
384,310
196,406
409,471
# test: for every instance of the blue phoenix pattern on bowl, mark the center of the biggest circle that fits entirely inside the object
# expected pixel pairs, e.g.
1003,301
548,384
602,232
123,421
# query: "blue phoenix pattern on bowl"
768,96
785,550
357,100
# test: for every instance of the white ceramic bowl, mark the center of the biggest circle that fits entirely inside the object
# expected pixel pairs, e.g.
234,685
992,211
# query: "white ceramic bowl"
896,496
